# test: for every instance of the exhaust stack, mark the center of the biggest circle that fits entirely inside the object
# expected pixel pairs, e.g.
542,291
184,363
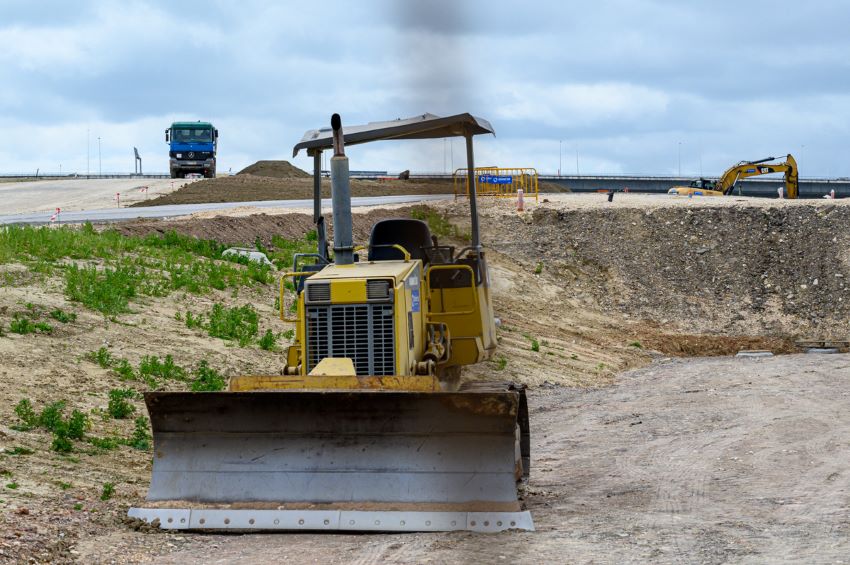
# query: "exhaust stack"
341,196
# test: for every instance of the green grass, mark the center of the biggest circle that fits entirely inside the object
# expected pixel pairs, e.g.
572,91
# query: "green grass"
239,323
285,249
128,267
141,438
24,325
107,491
438,224
13,485
124,370
152,368
535,345
501,362
268,341
118,406
52,418
63,485
636,344
102,357
207,379
63,317
17,450
538,268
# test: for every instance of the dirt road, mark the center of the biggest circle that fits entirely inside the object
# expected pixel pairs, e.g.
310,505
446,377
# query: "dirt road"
79,194
712,460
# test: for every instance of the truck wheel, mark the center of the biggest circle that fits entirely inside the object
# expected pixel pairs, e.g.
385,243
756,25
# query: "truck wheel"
210,174
174,175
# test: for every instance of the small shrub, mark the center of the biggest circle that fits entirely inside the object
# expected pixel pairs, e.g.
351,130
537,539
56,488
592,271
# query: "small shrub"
538,268
19,451
124,370
102,357
152,368
108,491
207,379
64,485
61,444
78,506
636,344
501,363
268,341
600,367
26,414
535,345
289,334
141,438
194,321
239,323
108,292
63,317
51,416
13,485
21,325
106,443
118,406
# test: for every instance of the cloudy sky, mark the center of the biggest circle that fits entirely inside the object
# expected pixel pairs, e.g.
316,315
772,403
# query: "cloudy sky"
631,86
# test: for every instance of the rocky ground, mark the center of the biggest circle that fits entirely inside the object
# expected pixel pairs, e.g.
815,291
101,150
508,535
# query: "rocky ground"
680,461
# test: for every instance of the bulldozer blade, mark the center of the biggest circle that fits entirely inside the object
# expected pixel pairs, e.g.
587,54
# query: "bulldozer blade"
337,460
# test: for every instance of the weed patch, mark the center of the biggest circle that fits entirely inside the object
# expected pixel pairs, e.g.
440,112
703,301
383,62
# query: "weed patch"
107,491
239,323
268,341
118,406
207,379
62,317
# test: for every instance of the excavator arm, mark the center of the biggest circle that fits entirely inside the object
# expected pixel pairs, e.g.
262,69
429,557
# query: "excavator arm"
743,170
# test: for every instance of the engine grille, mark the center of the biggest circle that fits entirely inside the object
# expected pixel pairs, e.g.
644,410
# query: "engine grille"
362,332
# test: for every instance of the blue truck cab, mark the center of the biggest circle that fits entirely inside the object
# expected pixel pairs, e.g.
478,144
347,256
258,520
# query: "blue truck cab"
192,147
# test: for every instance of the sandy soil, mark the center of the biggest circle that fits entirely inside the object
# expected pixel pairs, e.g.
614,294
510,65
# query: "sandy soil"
717,460
80,194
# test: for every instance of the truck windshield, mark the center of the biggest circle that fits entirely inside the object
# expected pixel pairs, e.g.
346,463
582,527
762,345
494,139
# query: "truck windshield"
190,135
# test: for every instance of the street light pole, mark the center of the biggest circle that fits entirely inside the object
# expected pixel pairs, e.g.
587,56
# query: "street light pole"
577,162
99,162
560,153
680,158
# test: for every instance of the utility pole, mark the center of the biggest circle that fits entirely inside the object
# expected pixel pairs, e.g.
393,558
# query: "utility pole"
560,152
88,153
577,174
99,162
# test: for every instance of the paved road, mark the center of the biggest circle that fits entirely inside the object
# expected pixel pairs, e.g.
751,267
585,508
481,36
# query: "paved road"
78,194
121,214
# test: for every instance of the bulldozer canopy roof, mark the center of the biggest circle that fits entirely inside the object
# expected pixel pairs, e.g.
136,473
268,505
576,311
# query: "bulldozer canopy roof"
424,126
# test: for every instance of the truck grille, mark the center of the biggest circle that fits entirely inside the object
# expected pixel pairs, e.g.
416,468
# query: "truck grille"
362,332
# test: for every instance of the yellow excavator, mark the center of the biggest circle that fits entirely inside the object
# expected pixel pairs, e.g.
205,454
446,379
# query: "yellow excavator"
367,428
727,183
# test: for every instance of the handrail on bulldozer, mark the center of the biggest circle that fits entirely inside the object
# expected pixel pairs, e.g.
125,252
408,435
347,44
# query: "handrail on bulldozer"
294,275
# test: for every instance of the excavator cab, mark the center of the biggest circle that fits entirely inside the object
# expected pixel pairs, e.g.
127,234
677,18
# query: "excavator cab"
368,427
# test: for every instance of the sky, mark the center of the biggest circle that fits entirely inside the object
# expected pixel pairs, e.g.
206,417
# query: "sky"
597,87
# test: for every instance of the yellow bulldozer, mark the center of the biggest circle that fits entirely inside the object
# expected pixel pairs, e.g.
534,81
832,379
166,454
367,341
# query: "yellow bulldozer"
368,427
729,180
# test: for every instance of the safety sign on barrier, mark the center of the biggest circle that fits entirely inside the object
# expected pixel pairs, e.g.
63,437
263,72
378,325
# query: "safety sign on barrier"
494,179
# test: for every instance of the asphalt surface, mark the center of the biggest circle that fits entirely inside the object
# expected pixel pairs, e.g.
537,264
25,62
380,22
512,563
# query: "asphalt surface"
123,214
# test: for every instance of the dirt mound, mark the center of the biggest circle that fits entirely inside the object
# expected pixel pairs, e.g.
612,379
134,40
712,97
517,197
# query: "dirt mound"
748,270
251,188
246,229
276,169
